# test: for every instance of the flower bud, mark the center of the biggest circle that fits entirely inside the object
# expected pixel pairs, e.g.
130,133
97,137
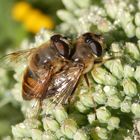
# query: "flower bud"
60,113
32,123
36,134
137,74
82,4
101,76
132,50
87,100
137,18
124,17
116,48
65,16
103,115
99,97
24,129
115,67
129,87
130,29
113,101
69,128
110,90
91,117
59,135
113,123
126,105
48,135
135,108
104,25
102,133
20,131
70,5
128,71
50,123
109,5
15,92
80,107
80,134
83,90
33,109
48,107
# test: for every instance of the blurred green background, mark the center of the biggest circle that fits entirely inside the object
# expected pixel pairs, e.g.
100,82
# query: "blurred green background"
20,20
14,14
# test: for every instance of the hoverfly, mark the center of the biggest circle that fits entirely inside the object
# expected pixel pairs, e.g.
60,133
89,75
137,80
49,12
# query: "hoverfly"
54,70
88,50
43,62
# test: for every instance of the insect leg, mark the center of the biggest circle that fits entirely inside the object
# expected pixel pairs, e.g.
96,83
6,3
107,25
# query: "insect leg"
90,88
101,61
86,79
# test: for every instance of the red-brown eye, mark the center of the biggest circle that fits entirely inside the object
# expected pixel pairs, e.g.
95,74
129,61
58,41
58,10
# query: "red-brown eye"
93,44
62,45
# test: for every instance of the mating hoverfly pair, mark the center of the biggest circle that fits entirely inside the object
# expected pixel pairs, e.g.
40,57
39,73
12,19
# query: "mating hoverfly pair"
55,68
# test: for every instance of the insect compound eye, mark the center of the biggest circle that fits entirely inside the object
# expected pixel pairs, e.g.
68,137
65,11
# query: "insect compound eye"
62,45
93,44
56,38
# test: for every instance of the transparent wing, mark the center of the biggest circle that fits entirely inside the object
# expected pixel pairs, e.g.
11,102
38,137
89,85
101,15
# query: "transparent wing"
63,84
16,58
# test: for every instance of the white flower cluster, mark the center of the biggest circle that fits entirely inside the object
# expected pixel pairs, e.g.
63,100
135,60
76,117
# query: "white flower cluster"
109,107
